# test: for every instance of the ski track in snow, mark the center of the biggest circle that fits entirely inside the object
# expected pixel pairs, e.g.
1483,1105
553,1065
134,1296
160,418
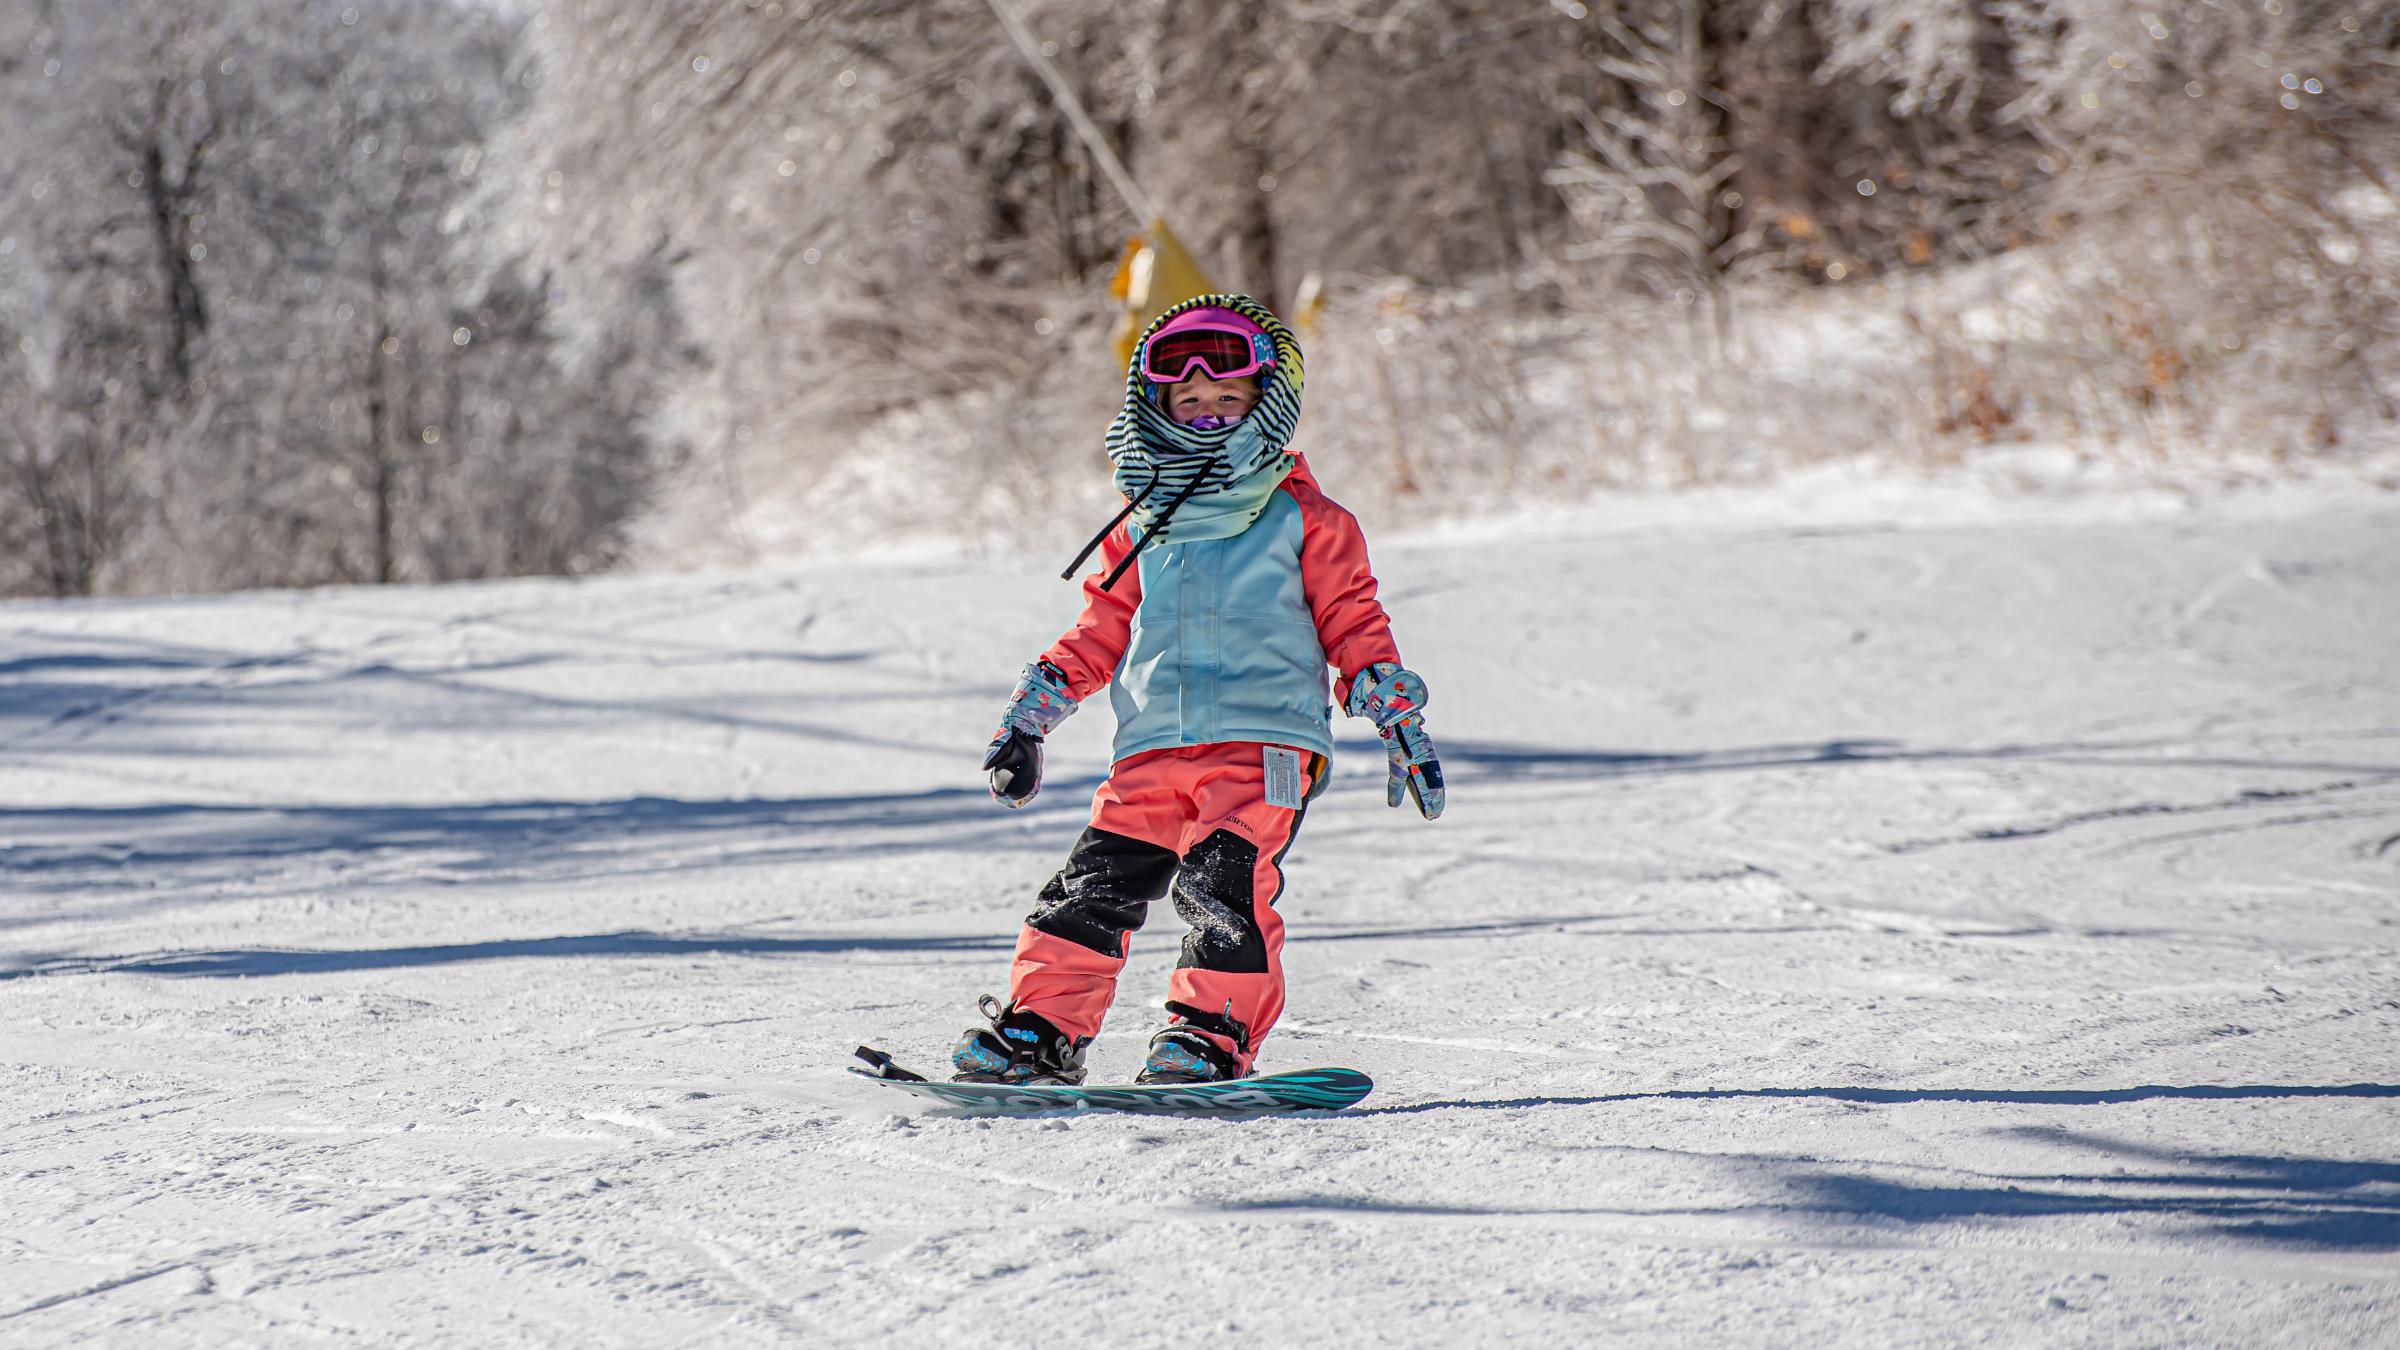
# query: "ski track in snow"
1896,937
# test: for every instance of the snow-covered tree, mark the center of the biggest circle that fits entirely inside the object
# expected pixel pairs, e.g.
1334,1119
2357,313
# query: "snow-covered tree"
248,340
291,289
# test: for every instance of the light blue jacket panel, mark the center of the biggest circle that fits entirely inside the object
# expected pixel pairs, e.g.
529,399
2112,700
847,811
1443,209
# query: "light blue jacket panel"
1224,646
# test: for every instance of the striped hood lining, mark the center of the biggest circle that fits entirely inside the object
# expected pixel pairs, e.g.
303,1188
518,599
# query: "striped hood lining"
1200,484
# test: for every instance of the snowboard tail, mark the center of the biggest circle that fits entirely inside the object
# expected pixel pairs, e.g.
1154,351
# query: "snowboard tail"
1275,1093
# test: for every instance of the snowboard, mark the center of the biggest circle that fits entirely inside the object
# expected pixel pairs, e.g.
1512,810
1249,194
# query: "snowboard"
1298,1090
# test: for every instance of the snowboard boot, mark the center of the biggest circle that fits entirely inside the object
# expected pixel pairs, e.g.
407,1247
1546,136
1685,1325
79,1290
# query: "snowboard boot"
1018,1047
1195,1048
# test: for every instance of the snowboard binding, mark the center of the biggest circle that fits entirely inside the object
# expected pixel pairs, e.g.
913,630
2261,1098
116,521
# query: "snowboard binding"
1018,1047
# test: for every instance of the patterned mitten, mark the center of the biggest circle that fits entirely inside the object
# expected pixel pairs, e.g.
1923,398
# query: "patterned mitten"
1014,760
1393,699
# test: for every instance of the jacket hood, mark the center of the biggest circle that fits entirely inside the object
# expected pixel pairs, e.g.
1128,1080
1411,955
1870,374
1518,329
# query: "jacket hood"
1185,482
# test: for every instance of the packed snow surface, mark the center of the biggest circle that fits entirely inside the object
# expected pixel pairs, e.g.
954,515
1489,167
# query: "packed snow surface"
1974,933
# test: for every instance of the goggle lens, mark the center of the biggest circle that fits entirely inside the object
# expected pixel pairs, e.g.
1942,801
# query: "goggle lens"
1221,355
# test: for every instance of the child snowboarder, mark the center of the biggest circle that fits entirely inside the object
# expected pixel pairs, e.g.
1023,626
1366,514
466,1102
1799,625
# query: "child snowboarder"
1228,585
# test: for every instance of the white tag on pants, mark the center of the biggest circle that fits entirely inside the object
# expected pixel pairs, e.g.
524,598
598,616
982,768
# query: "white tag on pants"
1286,784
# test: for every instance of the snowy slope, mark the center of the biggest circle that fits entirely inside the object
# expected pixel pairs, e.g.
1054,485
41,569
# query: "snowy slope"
1893,936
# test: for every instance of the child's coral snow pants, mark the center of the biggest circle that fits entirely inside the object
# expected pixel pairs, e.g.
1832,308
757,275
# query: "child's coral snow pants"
1192,822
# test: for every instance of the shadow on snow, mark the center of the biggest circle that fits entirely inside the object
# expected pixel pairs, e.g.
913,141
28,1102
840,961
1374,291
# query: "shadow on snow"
268,961
1909,1096
70,849
526,836
1469,761
2308,1203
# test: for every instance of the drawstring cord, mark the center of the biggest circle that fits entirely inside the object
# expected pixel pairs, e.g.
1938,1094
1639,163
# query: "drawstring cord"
1151,486
1152,532
1110,581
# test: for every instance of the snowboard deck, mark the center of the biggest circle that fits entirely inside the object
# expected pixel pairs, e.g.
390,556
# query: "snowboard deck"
1274,1093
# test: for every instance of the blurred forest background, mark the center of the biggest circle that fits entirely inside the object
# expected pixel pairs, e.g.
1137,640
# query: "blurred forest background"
308,291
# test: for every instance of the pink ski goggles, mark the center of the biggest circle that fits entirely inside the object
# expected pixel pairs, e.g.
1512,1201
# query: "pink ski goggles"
1218,353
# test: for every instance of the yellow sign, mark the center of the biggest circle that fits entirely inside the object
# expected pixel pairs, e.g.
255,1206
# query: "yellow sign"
1156,274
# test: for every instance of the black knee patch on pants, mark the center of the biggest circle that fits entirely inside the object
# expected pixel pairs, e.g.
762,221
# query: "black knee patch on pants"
1104,891
1214,893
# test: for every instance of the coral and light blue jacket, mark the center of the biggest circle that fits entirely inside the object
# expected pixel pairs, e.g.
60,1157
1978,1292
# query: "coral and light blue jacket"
1217,640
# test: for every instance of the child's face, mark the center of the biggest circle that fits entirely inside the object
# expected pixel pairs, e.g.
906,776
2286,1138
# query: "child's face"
1226,400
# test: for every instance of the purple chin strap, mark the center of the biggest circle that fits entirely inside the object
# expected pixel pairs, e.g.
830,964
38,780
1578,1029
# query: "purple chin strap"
1210,422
